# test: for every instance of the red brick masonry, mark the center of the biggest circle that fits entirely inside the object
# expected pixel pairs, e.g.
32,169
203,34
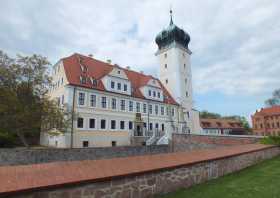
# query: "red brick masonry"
58,174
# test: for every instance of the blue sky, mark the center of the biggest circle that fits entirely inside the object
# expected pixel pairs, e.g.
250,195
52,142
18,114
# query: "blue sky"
235,44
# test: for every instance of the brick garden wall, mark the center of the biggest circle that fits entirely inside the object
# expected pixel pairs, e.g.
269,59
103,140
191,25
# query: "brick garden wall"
161,180
183,142
35,156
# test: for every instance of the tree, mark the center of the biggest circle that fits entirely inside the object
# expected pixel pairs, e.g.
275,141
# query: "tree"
274,100
206,114
25,108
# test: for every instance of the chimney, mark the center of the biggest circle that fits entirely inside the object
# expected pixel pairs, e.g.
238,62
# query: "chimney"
127,67
109,61
90,55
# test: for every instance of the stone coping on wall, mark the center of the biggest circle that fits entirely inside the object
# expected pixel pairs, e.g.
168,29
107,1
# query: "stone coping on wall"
24,178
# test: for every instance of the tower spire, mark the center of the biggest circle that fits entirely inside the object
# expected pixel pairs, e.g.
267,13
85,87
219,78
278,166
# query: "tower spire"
171,20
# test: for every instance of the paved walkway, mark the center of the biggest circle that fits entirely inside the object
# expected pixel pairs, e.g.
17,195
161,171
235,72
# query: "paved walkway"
26,177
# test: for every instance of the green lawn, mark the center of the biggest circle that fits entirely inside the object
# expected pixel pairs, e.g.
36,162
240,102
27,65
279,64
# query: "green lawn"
259,181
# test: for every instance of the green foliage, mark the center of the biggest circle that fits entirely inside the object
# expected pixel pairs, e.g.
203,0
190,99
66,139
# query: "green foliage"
24,105
7,140
274,100
272,140
206,114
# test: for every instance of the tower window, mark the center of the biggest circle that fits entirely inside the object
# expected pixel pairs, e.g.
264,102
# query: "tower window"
166,81
165,66
165,55
187,93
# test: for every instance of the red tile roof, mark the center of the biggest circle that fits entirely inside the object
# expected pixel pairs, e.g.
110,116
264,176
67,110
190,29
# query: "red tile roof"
220,123
275,110
55,174
98,69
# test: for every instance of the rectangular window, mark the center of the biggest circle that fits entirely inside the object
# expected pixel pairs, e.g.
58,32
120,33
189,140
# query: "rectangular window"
162,110
154,94
103,124
156,125
122,125
112,85
130,125
150,93
80,123
158,94
103,102
85,144
93,100
162,127
114,143
119,86
151,126
172,112
125,87
150,109
144,108
167,111
123,105
130,105
113,124
62,99
81,98
114,103
145,125
156,109
91,123
137,107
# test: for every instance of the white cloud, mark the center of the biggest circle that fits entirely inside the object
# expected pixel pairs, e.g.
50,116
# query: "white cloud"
235,43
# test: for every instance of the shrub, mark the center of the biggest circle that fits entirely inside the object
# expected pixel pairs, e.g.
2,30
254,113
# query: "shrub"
274,140
7,140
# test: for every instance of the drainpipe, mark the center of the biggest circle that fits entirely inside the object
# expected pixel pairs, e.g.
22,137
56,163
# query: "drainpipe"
148,108
73,112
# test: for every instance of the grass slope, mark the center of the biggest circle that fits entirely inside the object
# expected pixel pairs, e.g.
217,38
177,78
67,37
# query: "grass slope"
259,181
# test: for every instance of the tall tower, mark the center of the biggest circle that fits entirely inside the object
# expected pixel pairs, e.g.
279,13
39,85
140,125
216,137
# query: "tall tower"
175,67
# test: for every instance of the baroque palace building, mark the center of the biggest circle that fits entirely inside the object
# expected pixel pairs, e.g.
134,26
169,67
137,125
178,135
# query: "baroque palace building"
266,121
116,106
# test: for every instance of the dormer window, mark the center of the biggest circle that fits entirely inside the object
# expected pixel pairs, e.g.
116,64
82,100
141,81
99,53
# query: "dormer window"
154,93
83,79
150,93
119,72
93,82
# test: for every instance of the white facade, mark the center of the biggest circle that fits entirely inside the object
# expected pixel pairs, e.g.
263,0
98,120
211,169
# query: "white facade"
106,118
175,74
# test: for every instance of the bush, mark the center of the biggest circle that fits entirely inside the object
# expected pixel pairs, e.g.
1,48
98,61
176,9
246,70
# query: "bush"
273,140
7,140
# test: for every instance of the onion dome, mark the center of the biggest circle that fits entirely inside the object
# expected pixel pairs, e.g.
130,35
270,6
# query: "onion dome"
172,34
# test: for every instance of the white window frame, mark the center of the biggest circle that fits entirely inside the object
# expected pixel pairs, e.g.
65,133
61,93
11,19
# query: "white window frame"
85,99
90,100
95,123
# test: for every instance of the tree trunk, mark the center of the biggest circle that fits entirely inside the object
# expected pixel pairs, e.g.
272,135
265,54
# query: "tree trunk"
22,139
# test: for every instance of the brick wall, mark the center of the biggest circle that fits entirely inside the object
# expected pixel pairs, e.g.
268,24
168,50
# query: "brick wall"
34,156
157,182
183,142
